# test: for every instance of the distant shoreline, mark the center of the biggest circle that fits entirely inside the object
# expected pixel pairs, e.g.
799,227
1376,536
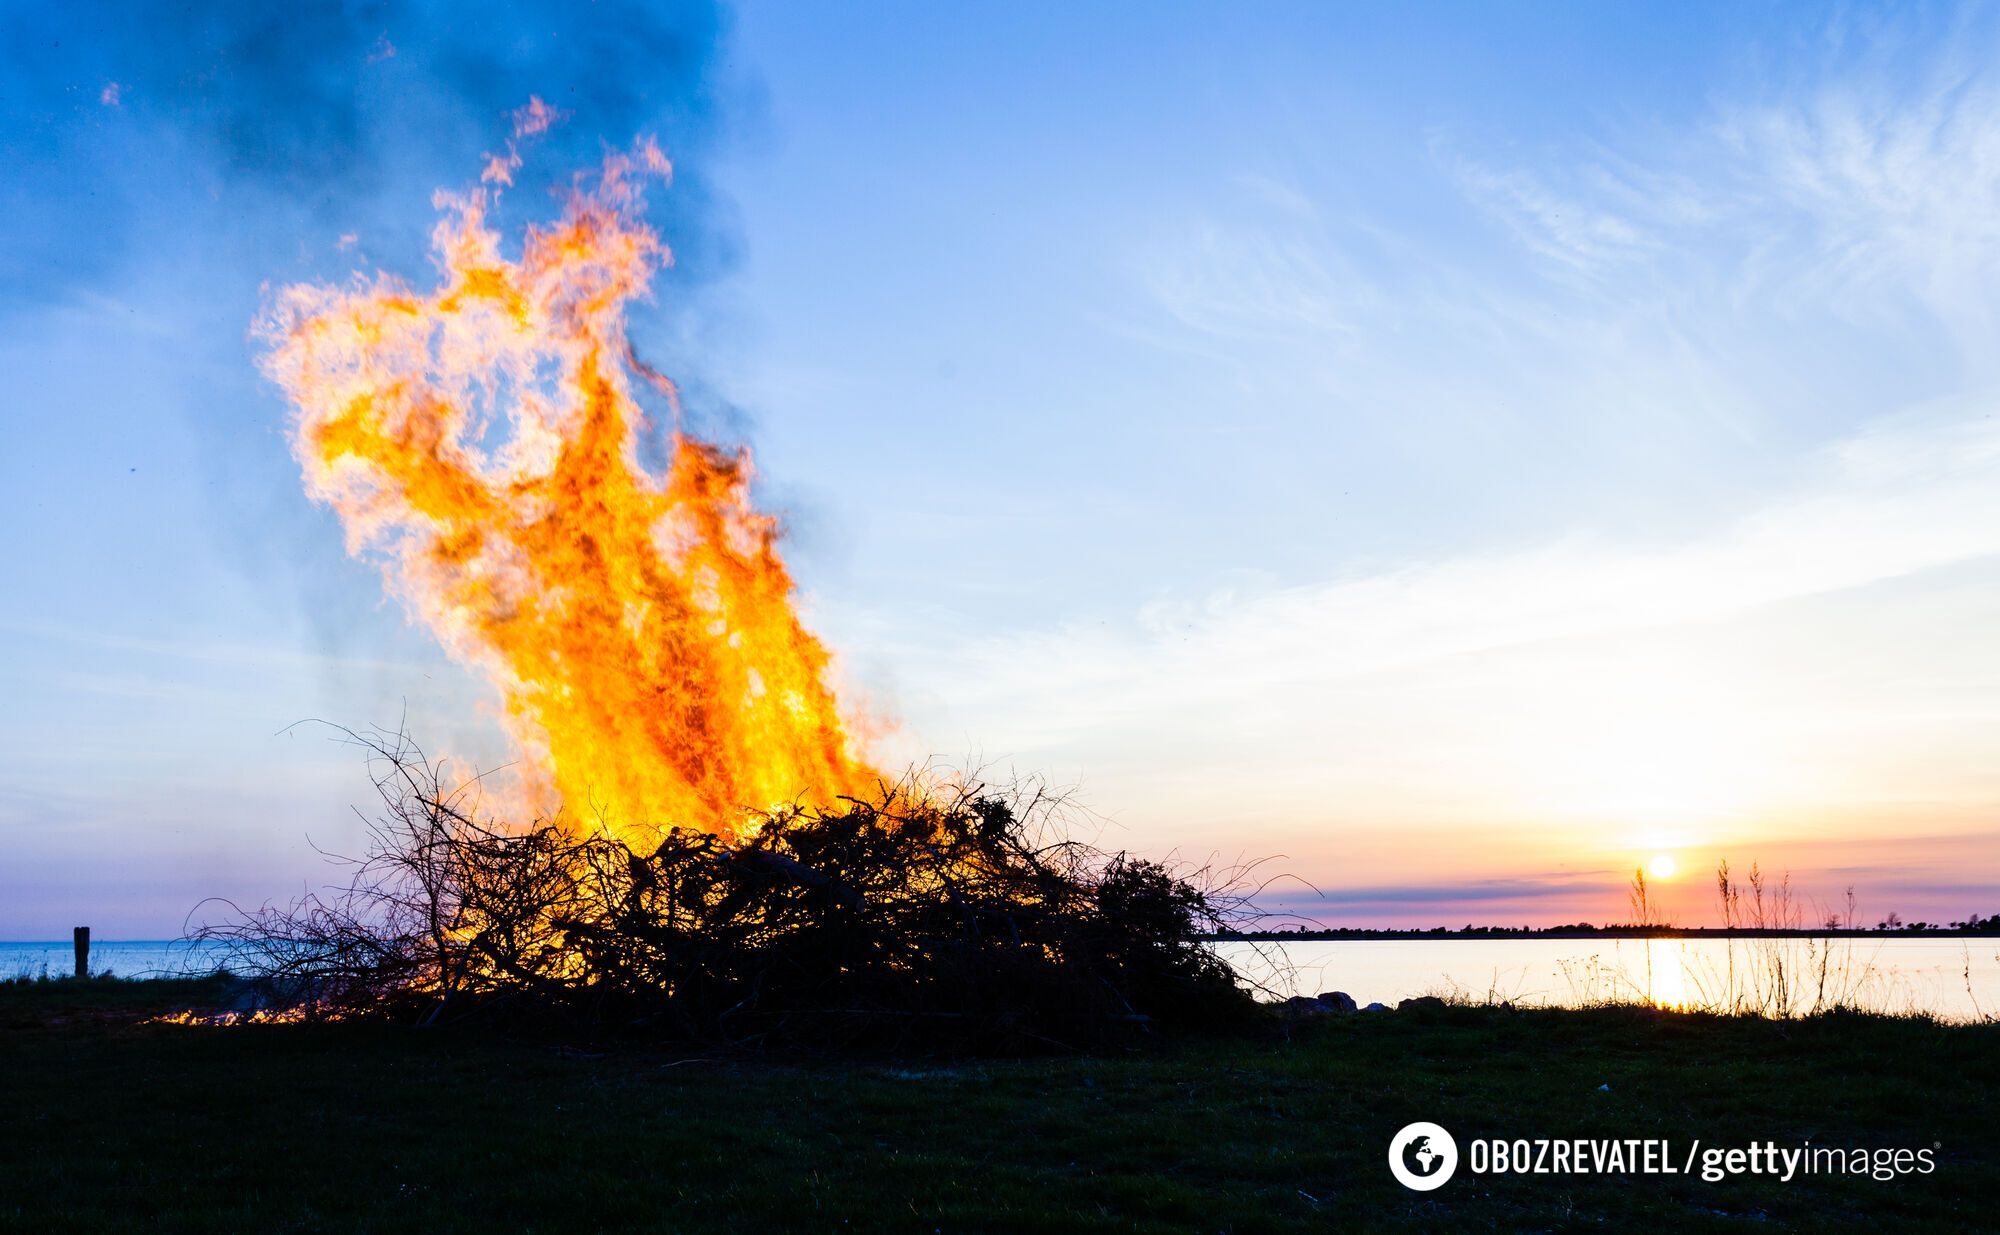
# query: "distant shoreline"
1595,932
1383,933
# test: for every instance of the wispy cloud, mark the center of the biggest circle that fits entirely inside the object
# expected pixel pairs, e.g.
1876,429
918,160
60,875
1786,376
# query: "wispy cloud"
1574,231
1902,497
1242,284
1869,180
1700,262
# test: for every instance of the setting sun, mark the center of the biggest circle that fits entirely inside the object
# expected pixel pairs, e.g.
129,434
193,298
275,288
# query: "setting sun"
1661,866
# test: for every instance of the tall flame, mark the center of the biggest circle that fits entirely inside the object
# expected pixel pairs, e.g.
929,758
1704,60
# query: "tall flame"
483,440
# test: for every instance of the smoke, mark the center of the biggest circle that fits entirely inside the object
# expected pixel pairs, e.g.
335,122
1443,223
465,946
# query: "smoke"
319,109
170,162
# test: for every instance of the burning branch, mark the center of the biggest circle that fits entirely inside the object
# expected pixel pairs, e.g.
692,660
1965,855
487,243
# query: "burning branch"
926,912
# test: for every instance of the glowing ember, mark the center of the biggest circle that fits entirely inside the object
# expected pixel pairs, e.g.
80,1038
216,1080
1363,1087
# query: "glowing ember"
258,1016
483,438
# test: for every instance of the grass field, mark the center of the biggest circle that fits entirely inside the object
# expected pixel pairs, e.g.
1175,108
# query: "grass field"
113,1124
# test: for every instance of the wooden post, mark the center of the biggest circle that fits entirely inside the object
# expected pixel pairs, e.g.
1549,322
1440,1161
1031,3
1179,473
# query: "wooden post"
82,951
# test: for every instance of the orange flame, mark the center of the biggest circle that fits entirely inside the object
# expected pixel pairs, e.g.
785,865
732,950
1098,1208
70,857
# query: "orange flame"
640,626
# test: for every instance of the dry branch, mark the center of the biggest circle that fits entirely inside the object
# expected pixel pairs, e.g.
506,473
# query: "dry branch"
937,916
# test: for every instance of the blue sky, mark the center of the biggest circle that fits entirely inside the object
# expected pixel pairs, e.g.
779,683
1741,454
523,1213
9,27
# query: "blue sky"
1466,451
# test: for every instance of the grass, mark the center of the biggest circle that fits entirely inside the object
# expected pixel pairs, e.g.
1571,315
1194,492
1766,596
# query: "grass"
109,1123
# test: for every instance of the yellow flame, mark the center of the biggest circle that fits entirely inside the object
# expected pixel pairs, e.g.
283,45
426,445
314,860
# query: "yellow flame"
482,439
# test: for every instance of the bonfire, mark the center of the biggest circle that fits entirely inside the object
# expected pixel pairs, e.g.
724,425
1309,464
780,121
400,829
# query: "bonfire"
706,851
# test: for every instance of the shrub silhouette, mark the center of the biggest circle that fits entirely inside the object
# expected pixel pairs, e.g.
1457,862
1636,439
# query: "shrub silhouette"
948,917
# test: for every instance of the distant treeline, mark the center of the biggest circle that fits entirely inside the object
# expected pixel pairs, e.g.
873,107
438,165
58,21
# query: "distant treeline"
1892,928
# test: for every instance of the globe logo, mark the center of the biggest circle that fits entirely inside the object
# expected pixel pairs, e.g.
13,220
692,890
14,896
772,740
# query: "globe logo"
1422,1156
1420,1159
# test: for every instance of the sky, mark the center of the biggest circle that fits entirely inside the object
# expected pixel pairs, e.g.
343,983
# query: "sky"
1453,453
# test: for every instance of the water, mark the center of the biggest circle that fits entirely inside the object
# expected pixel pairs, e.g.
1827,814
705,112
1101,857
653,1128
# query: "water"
125,958
1954,979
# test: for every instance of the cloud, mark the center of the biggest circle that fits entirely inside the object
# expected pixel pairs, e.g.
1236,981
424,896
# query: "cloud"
1734,306
1573,231
1879,174
1239,284
1567,888
1779,264
1908,495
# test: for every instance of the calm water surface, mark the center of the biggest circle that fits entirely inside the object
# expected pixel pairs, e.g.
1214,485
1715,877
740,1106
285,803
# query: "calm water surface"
1957,979
126,958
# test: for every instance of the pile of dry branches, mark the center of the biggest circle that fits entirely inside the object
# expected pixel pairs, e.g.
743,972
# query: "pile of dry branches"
935,917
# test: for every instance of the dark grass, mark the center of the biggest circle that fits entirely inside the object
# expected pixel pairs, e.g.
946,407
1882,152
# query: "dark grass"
42,1003
110,1124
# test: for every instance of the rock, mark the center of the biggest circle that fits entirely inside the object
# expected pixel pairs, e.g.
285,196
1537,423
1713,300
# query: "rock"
1305,1005
1424,1002
1339,1001
1376,1007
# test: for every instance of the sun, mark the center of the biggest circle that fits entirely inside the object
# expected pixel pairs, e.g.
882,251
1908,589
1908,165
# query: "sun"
1661,866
